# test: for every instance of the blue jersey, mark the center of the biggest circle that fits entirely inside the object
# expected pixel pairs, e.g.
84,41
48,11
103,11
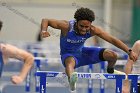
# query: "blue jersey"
72,43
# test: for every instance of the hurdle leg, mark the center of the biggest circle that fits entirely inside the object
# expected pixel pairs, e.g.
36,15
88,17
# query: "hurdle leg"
42,83
90,81
37,68
28,82
119,83
102,82
134,81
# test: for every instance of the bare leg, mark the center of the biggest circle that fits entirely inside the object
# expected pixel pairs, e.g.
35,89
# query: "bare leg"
70,64
129,67
111,57
72,76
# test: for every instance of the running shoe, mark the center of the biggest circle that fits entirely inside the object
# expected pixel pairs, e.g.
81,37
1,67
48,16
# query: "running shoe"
72,81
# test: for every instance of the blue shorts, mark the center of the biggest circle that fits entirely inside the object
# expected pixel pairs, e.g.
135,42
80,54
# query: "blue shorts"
1,63
88,55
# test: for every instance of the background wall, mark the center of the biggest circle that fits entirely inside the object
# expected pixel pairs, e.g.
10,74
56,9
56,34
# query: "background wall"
22,18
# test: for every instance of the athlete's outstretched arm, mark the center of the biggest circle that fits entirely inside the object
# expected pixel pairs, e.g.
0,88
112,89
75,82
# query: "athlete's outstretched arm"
10,51
118,43
57,24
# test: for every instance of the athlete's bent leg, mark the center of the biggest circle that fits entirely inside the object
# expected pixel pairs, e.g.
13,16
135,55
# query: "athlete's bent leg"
111,57
70,64
72,76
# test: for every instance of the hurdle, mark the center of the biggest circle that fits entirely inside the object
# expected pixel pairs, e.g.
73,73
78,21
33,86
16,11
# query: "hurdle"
90,88
37,67
44,74
38,80
90,81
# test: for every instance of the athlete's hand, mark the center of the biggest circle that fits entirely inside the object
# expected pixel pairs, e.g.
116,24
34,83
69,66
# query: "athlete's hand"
45,34
133,56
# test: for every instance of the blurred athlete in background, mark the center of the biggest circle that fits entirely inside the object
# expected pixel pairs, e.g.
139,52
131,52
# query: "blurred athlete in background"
9,51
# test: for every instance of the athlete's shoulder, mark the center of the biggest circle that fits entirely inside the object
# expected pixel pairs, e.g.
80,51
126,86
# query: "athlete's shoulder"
63,24
95,30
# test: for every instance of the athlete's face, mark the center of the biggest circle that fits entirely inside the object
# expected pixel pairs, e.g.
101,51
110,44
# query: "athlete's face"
83,26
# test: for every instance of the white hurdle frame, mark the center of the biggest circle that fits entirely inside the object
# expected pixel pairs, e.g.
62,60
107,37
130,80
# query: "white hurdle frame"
44,74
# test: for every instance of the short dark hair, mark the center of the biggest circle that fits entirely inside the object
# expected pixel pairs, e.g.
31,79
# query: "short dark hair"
0,25
84,14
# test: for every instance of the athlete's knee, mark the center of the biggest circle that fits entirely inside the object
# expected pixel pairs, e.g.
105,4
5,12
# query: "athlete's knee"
70,62
114,56
110,56
30,59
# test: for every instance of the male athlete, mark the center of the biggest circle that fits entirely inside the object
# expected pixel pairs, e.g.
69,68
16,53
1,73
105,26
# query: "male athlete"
9,51
74,33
